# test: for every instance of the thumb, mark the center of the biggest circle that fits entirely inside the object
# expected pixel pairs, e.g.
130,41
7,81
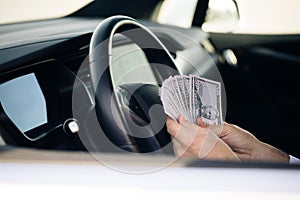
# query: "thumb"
216,129
186,123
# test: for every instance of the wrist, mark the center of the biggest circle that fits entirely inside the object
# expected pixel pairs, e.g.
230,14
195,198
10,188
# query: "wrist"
268,153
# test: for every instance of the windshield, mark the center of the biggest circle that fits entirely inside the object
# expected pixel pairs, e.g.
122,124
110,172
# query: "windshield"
13,11
243,16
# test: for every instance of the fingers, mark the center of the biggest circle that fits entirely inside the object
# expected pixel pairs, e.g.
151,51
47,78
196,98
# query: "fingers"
172,126
190,140
184,131
204,128
201,146
179,150
180,118
210,140
201,123
217,129
180,142
186,124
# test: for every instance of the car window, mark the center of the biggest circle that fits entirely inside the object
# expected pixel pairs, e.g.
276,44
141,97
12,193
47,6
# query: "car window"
221,16
268,17
12,11
237,16
177,12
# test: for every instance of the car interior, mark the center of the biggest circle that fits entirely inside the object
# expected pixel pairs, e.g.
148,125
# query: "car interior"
70,84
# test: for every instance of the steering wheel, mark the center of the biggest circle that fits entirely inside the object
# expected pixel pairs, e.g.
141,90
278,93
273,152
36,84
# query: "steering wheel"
129,129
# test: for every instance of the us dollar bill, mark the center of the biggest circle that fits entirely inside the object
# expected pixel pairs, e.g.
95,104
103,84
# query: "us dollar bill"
206,100
192,97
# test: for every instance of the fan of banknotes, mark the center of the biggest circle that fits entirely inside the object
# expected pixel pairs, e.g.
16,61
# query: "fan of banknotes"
192,97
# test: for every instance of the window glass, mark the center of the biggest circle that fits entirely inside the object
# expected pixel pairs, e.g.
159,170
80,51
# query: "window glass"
12,11
177,12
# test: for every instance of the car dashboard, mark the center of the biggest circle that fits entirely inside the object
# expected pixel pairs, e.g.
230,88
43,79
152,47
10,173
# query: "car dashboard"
42,62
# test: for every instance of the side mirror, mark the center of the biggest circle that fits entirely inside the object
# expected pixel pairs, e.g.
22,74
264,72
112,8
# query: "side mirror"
221,16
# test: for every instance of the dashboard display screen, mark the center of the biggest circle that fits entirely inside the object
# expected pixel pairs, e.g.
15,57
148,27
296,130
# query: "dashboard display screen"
23,102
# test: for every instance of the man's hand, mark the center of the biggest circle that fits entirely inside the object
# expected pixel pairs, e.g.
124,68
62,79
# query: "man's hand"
191,140
245,145
223,142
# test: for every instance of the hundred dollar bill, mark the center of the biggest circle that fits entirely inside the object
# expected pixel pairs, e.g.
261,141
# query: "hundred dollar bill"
206,100
192,97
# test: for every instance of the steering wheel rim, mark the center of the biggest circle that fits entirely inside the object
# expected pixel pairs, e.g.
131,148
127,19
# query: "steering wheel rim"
100,57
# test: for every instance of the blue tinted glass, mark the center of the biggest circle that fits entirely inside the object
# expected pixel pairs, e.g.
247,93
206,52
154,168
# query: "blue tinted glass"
24,103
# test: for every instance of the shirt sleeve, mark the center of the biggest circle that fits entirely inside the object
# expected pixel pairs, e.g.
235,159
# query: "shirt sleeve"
294,160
